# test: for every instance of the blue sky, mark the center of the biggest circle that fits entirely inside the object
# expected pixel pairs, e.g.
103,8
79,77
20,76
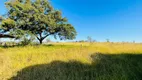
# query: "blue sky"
116,20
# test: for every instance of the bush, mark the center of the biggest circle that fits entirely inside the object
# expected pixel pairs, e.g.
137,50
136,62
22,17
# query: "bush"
27,41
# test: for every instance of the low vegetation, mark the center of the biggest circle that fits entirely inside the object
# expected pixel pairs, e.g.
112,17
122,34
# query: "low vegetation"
72,61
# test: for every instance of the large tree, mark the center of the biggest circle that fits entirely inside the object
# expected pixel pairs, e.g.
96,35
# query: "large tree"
39,18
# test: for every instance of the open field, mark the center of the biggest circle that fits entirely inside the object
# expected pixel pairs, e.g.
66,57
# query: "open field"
72,61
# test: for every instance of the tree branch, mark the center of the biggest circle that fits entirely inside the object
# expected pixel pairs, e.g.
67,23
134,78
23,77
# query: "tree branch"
6,36
45,36
37,38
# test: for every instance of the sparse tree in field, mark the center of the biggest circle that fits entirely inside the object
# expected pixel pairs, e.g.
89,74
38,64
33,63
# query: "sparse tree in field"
37,17
89,39
94,40
107,40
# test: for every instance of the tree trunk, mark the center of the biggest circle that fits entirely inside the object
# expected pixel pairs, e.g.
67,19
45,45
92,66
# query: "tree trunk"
41,40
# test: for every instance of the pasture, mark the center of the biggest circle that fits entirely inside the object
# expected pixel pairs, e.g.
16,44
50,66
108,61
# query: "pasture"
72,61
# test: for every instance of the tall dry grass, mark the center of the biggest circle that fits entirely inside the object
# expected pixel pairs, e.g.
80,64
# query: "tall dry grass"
72,56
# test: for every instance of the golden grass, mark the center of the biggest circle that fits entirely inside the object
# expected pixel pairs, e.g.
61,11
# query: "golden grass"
15,59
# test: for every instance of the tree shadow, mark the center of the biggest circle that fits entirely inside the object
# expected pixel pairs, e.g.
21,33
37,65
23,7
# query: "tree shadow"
103,67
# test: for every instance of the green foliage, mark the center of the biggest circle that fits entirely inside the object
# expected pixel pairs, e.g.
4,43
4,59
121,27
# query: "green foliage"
9,23
38,17
26,41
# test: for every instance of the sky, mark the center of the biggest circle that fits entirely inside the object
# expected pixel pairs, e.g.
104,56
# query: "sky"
116,20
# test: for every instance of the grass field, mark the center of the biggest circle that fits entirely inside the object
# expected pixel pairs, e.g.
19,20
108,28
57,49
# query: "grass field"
72,61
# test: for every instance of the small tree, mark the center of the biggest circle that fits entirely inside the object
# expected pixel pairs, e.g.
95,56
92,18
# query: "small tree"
27,39
107,40
89,39
39,18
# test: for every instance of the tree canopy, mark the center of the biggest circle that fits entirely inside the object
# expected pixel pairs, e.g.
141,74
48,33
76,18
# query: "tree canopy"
37,17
